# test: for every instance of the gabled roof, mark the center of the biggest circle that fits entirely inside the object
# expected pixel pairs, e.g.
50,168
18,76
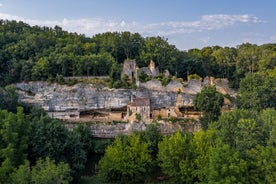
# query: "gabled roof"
140,101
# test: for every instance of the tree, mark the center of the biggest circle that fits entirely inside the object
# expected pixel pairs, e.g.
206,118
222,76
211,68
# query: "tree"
14,136
43,172
176,156
62,145
268,118
8,98
226,59
22,175
209,101
127,160
262,164
240,129
203,142
226,166
152,136
257,91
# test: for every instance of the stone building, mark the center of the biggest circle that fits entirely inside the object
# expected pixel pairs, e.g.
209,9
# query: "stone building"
164,112
129,69
139,106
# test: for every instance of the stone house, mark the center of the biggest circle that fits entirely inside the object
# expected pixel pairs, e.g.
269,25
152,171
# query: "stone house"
164,113
139,106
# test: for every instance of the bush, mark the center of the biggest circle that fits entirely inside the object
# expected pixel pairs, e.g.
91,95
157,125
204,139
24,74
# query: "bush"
194,76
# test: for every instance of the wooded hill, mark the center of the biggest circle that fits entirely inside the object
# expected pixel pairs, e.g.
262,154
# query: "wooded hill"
42,53
235,147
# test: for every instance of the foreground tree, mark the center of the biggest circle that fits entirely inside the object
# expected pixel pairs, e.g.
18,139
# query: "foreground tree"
14,136
44,172
262,164
209,101
50,138
127,160
226,166
176,156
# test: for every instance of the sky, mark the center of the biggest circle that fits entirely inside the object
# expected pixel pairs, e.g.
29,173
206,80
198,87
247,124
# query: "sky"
186,24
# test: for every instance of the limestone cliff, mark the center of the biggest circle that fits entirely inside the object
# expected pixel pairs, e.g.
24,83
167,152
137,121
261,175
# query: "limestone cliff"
54,97
94,103
80,97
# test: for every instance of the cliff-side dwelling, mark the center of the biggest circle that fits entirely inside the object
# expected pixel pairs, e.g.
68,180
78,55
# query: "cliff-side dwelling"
91,103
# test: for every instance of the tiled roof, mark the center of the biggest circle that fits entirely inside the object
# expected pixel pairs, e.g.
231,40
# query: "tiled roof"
140,101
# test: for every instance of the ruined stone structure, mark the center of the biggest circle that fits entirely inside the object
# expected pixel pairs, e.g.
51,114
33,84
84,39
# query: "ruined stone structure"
130,69
151,70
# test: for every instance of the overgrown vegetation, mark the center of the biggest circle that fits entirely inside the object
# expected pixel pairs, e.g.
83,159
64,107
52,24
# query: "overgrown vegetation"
234,147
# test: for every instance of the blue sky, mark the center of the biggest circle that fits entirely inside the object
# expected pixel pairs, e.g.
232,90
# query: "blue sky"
186,24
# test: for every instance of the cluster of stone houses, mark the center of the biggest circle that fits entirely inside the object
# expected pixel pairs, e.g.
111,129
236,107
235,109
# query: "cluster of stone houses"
148,102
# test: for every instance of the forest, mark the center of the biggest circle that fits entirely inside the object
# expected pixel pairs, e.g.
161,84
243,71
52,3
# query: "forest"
232,147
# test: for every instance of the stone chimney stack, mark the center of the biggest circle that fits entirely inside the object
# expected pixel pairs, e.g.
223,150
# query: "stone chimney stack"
152,66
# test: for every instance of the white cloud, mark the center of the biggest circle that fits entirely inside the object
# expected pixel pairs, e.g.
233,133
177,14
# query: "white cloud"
94,26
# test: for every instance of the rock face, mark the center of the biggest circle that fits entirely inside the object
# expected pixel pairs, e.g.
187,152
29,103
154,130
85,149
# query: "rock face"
82,101
54,97
80,97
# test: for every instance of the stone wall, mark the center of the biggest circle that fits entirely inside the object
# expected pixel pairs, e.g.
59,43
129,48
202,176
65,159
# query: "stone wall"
110,130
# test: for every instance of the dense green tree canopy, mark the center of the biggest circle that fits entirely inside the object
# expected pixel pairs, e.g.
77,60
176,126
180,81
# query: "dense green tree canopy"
43,53
127,160
209,101
257,91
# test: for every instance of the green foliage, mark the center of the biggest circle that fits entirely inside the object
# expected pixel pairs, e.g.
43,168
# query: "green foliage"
194,76
209,101
262,164
22,175
176,156
8,98
43,172
127,160
14,136
138,117
268,119
152,136
46,171
42,53
226,166
203,142
62,145
101,144
143,77
164,80
257,92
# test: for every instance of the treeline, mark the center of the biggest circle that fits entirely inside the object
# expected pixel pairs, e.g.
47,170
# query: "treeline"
43,53
37,149
232,147
238,148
